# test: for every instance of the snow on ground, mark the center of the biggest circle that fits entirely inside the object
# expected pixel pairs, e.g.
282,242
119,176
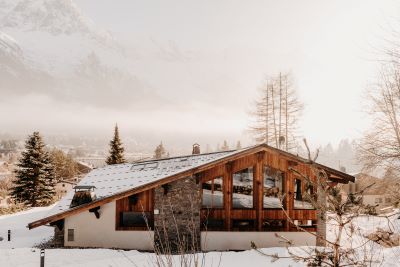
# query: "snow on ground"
107,257
20,252
21,236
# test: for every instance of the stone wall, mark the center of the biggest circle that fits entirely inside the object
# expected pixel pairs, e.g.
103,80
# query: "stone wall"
177,224
58,240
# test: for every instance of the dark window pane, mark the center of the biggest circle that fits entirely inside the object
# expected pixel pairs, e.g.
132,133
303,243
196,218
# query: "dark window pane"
244,225
273,188
242,197
273,225
133,219
213,194
213,224
299,201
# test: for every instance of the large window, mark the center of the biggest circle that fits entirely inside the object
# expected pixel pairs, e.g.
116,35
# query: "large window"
273,188
242,197
212,194
299,201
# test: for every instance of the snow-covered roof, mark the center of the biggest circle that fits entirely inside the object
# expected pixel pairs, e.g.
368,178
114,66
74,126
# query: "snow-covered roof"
114,179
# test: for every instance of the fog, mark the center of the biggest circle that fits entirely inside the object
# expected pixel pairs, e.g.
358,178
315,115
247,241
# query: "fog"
184,71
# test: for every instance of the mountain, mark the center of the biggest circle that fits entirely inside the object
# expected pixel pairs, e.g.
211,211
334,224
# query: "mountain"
15,70
55,49
53,16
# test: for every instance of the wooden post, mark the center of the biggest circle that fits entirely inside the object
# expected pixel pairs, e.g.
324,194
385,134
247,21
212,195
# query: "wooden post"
228,195
9,235
259,189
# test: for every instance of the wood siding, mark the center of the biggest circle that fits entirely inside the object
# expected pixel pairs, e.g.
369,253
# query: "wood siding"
258,213
144,203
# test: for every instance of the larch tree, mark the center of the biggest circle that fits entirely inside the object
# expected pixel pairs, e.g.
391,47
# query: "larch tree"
65,167
334,210
116,149
34,183
160,152
380,145
276,113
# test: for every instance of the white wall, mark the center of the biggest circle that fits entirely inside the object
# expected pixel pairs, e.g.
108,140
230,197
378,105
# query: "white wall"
241,240
92,232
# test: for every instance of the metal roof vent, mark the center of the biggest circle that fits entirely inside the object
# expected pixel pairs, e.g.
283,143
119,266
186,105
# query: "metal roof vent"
83,194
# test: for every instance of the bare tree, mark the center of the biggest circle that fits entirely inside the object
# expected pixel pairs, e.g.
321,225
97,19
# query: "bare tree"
336,209
380,145
276,113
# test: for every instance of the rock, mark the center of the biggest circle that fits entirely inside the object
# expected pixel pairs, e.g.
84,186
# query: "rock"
385,238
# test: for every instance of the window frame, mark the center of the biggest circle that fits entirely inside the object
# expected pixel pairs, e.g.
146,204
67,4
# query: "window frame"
212,186
302,188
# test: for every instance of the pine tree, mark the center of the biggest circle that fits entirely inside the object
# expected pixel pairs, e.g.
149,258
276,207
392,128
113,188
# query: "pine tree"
116,150
34,184
160,152
238,145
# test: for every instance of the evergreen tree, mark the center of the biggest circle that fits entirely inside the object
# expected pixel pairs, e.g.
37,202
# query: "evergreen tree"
160,152
34,184
238,145
116,150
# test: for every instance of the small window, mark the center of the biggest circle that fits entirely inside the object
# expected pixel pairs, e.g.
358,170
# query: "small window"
242,197
213,194
71,236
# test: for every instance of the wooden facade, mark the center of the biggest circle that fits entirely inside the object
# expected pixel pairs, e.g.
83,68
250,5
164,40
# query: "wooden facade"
258,214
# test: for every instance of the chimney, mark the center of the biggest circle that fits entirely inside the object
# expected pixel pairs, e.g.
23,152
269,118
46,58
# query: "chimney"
196,149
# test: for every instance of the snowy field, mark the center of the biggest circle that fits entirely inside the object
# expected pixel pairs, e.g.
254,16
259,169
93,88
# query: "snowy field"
20,250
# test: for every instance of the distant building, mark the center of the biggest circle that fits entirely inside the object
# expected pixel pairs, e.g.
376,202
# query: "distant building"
63,187
376,190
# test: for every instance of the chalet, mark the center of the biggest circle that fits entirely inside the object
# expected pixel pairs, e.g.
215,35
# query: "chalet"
377,192
213,201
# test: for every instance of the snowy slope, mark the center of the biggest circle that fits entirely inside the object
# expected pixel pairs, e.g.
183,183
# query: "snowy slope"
21,236
19,251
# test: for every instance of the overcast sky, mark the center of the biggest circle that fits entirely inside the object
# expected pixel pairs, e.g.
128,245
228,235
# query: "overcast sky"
331,48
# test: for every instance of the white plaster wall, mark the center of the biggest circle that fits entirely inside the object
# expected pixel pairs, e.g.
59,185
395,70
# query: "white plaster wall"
92,232
241,240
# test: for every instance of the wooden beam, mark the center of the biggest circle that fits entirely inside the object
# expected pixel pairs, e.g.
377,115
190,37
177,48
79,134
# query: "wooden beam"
259,189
